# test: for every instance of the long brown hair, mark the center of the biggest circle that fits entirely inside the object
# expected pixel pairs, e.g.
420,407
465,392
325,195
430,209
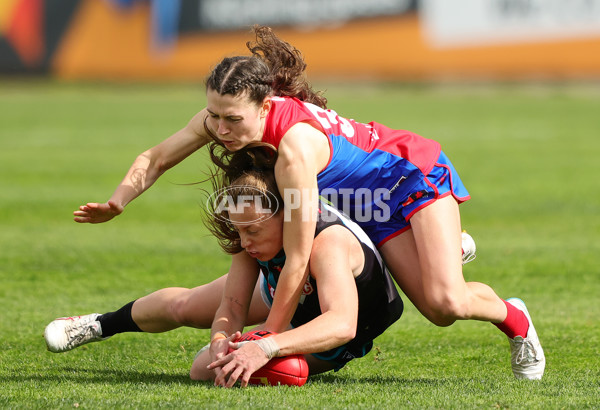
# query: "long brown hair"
249,173
274,68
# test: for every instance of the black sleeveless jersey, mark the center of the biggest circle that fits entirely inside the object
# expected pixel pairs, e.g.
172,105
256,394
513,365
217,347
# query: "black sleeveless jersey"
379,304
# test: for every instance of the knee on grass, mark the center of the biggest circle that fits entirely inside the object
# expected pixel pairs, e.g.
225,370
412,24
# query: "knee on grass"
199,372
200,376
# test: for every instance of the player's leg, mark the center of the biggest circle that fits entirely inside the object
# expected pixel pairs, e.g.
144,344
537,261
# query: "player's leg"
408,268
426,262
170,308
198,371
160,311
437,234
401,258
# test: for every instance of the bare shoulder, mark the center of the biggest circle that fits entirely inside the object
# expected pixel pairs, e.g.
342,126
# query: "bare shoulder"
304,140
333,239
336,247
303,134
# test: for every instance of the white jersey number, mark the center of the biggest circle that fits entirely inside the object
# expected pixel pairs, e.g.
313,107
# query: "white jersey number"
328,117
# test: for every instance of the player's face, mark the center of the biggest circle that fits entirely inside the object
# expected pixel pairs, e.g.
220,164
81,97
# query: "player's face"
261,233
235,120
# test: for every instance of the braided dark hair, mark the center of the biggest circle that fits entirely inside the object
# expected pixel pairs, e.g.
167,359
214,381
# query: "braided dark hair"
275,68
235,75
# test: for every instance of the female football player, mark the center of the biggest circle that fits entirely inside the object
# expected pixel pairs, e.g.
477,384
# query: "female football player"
400,187
344,265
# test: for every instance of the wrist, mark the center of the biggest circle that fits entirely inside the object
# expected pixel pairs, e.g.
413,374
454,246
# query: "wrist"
269,346
219,336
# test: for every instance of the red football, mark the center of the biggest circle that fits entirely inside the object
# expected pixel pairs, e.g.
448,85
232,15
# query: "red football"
287,370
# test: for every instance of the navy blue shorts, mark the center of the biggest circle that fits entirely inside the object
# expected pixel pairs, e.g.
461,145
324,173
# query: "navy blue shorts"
443,180
343,354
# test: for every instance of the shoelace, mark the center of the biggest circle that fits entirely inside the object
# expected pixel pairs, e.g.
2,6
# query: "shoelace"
468,257
527,354
79,332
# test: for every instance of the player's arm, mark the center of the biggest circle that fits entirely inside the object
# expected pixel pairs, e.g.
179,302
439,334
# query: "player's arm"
303,152
331,264
146,169
230,316
233,310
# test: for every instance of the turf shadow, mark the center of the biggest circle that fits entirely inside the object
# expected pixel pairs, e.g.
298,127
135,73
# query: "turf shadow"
86,375
386,380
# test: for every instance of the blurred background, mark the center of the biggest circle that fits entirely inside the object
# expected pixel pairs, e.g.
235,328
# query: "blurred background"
405,40
510,88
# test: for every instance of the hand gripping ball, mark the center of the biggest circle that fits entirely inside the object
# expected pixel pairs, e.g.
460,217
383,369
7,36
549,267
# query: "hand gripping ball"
286,370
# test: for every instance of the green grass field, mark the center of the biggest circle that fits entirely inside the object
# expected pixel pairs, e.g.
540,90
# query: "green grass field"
528,155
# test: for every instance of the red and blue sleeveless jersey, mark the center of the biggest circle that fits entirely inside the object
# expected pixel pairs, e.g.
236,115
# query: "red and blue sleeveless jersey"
365,158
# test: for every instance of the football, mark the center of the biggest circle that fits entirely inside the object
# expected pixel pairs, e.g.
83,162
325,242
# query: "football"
287,370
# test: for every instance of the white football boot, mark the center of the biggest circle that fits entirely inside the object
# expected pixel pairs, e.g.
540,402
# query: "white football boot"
67,333
468,248
526,354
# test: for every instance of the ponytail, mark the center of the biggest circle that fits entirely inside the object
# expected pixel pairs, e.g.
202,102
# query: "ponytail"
286,66
275,68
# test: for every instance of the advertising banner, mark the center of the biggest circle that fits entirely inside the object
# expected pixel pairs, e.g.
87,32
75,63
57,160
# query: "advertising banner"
463,23
30,31
406,40
235,14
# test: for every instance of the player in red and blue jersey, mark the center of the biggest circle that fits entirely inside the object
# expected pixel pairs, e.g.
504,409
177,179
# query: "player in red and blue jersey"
398,186
379,176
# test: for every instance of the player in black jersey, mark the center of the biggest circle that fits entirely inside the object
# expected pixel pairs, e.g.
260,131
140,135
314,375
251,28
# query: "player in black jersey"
330,322
379,303
348,298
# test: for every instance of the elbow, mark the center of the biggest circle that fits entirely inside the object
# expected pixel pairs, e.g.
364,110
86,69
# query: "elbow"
341,328
157,165
346,332
161,166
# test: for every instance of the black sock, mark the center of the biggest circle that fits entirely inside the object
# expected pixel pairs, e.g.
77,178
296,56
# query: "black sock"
118,322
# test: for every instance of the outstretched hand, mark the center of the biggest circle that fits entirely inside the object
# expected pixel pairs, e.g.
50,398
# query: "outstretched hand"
95,213
245,359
